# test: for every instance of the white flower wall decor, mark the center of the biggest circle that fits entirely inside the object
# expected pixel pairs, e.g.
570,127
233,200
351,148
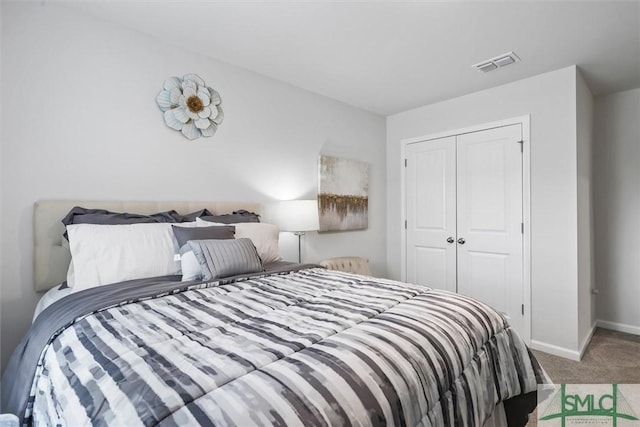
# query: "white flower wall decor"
190,106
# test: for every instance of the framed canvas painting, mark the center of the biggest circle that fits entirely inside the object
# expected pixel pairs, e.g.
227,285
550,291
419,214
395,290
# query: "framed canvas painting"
343,194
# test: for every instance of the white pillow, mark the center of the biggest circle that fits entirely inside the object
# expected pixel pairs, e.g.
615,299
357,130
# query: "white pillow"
264,237
70,274
192,224
205,223
189,265
103,254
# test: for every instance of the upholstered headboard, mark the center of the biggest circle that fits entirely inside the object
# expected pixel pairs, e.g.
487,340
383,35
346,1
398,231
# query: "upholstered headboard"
51,254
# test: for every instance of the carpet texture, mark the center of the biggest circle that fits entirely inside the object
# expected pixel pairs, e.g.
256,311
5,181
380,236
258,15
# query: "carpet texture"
611,358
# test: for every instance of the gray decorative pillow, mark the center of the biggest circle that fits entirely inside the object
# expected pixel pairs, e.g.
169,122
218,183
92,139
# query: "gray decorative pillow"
184,234
224,258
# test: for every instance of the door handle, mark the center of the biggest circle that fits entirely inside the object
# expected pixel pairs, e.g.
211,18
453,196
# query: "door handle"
450,240
461,241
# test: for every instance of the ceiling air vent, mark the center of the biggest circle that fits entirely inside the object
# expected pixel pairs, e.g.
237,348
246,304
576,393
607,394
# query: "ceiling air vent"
496,62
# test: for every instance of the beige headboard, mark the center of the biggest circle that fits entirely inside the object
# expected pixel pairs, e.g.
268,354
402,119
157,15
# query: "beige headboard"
51,254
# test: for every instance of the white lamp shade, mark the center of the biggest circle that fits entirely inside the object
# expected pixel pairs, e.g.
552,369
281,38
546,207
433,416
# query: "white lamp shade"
298,215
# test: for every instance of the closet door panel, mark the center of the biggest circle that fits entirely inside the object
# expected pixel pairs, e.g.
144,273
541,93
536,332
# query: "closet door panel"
431,219
489,217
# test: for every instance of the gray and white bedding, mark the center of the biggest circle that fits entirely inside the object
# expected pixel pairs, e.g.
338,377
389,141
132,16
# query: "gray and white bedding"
303,347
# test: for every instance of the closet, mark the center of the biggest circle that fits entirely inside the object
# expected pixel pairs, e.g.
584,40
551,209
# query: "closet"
464,216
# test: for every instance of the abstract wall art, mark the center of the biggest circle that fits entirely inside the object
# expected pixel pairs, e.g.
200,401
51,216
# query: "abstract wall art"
343,194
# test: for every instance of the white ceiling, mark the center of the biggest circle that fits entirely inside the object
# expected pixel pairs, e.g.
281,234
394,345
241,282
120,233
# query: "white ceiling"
391,56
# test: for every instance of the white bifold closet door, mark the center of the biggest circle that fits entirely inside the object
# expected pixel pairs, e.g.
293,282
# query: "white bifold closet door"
464,217
431,213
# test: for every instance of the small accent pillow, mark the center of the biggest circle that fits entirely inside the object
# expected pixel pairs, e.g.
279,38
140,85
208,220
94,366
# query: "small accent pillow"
184,234
189,265
224,258
264,236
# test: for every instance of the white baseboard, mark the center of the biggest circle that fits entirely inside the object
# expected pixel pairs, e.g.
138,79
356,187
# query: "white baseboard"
620,327
586,340
556,350
577,355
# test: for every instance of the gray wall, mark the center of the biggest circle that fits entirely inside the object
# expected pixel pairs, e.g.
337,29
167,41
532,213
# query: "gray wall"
1,174
584,129
81,121
617,209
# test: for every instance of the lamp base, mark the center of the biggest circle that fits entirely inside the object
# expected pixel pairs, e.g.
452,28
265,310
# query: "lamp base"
299,234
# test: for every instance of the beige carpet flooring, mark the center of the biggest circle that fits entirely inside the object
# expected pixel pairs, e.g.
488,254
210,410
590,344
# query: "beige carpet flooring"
611,358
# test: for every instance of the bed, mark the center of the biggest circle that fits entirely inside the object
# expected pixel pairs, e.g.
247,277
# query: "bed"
284,344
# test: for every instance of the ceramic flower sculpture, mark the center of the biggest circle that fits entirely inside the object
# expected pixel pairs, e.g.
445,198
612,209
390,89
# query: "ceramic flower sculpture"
190,106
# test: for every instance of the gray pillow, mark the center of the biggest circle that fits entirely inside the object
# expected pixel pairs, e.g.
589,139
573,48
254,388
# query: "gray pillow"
233,218
224,258
80,215
184,234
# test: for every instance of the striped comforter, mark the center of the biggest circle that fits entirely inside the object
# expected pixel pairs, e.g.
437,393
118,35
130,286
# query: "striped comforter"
312,347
